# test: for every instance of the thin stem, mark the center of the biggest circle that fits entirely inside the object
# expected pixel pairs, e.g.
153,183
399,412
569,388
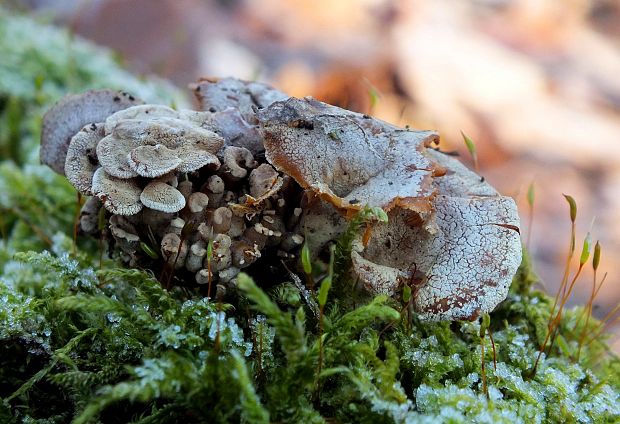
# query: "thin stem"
558,318
317,395
494,351
610,314
210,276
569,258
556,321
588,313
483,373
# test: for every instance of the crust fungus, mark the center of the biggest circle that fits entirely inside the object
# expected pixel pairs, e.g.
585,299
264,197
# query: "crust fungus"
73,112
259,169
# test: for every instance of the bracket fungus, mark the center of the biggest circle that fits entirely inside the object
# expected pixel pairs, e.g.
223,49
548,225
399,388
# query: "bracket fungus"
255,174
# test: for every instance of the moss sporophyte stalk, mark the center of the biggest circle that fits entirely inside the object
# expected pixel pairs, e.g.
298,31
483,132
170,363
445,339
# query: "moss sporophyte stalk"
198,310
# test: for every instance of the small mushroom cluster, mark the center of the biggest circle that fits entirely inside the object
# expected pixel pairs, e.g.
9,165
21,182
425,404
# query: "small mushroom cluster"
131,160
209,192
170,182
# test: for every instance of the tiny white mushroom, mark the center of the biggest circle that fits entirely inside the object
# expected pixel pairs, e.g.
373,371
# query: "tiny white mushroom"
205,231
204,276
256,237
186,188
222,255
121,197
81,161
153,161
214,187
262,180
237,226
173,250
291,241
215,184
244,253
222,218
124,234
162,197
228,274
229,197
234,157
176,226
89,215
197,252
112,155
197,202
220,289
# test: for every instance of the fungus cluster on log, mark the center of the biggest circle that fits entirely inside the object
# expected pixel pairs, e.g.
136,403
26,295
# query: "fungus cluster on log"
256,173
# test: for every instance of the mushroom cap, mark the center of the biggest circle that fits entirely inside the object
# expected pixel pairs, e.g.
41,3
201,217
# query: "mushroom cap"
230,125
121,197
170,132
81,161
162,197
192,159
262,179
124,233
70,114
466,266
197,202
222,219
112,155
215,184
89,215
349,159
148,111
153,161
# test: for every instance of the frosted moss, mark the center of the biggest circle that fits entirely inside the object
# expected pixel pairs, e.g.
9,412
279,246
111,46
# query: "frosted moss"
83,342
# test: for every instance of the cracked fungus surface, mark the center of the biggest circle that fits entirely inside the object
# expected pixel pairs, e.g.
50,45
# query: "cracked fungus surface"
449,234
466,266
347,158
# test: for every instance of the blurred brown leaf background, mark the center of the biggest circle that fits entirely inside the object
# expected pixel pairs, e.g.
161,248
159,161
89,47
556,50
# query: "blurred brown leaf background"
536,84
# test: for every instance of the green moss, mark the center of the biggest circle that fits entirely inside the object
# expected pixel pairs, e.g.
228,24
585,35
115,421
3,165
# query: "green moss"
84,343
